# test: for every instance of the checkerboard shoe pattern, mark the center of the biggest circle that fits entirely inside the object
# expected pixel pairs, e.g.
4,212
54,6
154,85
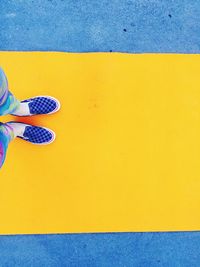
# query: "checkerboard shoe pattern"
37,105
33,134
42,105
37,135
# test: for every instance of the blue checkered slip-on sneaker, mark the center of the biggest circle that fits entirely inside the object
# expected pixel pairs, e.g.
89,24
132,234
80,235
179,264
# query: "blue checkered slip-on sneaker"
33,134
37,105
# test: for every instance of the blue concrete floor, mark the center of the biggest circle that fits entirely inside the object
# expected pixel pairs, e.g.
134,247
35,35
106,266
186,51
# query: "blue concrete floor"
102,250
87,26
93,25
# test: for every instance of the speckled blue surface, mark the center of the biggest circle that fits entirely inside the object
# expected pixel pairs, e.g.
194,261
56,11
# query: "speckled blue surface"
101,25
93,25
102,250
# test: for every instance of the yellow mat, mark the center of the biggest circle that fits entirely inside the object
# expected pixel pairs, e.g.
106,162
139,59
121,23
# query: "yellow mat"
127,154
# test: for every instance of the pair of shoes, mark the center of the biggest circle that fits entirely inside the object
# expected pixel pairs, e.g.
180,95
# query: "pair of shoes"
35,106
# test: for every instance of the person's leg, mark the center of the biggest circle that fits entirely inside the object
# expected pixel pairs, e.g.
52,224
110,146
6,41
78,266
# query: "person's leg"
6,135
33,134
8,103
29,107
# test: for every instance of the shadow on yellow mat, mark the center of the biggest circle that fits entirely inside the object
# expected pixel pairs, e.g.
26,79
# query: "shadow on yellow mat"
127,154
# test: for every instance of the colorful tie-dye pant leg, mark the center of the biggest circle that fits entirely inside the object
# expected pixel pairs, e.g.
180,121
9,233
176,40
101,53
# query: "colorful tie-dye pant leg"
8,104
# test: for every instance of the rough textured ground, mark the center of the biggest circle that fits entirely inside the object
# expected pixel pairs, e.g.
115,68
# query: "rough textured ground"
115,25
84,26
102,250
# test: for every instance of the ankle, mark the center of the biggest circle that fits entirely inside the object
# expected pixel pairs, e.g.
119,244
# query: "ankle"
22,110
17,128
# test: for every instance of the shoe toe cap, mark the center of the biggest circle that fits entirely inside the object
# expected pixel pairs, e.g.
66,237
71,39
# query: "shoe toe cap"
43,105
38,135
